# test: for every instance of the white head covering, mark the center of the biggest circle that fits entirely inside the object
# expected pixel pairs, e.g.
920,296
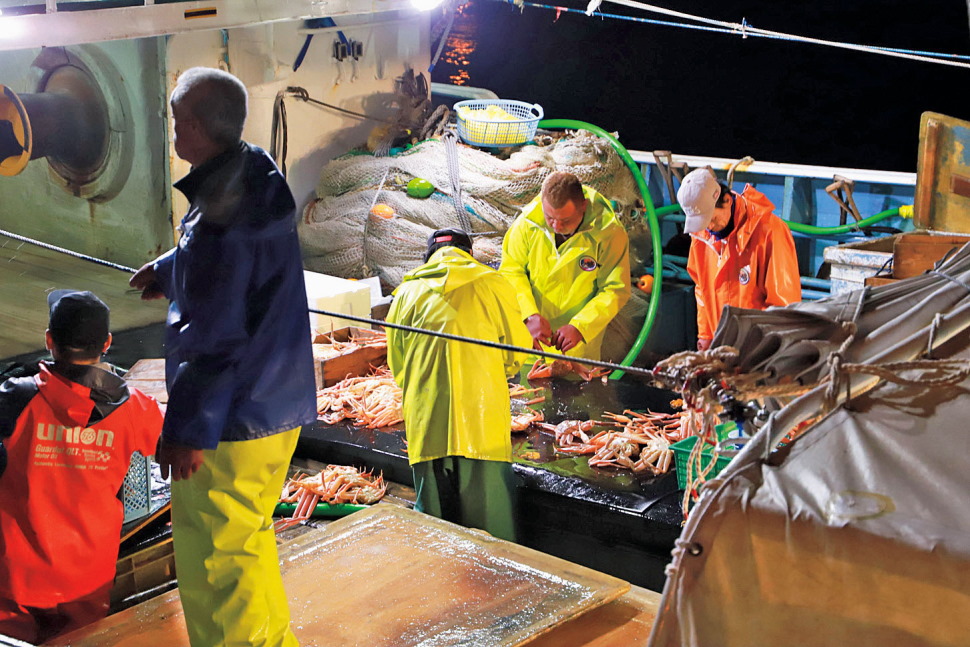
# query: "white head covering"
698,195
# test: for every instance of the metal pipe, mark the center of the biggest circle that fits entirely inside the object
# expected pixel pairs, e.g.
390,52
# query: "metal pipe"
68,128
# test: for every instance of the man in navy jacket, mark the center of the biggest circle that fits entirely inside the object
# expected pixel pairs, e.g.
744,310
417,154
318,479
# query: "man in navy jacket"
239,367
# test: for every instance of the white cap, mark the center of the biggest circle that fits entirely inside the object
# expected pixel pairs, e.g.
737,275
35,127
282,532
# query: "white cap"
698,195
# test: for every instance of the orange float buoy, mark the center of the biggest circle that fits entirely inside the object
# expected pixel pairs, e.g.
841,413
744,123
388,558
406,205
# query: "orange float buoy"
645,283
382,210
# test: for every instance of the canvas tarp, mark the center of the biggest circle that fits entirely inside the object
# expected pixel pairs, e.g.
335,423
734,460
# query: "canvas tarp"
857,533
795,342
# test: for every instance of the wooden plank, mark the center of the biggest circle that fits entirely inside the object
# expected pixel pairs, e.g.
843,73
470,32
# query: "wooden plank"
397,577
28,273
880,280
147,369
144,570
625,622
148,376
128,530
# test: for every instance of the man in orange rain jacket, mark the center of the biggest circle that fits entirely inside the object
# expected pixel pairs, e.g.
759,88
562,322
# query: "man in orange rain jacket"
741,254
67,435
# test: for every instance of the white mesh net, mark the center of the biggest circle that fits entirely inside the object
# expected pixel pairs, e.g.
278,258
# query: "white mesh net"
340,237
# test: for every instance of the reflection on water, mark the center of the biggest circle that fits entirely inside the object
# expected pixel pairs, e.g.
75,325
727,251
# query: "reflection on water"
459,47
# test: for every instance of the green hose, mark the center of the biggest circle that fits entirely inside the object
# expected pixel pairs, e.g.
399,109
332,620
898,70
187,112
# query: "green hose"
906,211
812,230
654,224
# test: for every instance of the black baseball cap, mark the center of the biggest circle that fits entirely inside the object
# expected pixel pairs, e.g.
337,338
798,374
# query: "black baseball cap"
448,237
77,319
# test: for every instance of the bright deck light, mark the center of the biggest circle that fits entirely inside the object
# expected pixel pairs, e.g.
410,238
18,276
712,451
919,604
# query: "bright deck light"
425,5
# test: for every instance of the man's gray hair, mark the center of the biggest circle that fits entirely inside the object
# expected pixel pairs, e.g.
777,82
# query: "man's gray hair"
217,99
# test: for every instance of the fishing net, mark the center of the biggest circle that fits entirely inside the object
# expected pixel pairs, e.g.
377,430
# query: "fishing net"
342,238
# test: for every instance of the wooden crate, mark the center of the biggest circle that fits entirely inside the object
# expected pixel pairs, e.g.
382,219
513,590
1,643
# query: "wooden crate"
880,280
915,253
142,571
351,363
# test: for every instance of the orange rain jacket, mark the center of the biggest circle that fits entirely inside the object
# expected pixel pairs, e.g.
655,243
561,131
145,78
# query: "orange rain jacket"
754,267
60,518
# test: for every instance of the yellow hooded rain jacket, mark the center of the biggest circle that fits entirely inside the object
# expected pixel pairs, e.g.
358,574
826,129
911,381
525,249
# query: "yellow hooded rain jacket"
456,397
584,282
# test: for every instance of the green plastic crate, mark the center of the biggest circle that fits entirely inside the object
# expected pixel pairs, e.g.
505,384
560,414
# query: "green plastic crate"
682,450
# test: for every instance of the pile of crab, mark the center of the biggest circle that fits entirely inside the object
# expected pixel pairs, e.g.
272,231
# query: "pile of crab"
642,443
335,484
371,401
327,346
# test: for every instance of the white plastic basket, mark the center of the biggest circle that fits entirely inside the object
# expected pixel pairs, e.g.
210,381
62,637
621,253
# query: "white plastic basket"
136,490
480,131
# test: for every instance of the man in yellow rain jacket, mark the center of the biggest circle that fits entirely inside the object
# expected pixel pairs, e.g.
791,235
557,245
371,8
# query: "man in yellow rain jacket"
741,253
456,396
568,258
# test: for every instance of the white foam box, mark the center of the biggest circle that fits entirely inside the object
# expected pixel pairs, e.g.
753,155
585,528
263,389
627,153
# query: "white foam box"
335,294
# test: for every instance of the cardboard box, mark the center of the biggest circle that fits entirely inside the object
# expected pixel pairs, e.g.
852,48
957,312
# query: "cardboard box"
353,362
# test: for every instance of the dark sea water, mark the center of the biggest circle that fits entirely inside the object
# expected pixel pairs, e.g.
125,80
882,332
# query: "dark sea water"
702,93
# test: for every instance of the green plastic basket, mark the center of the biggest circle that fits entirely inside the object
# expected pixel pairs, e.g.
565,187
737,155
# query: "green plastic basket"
682,450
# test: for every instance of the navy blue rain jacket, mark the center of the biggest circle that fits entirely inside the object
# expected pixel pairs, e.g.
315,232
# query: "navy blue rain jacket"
239,363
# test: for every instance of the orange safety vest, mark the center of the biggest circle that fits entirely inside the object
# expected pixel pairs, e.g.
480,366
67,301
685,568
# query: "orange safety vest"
754,267
60,517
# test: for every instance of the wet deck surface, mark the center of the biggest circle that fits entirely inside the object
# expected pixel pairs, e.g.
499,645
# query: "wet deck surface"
605,518
626,620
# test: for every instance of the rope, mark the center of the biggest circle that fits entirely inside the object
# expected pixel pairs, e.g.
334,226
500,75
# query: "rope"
279,132
777,391
745,30
69,252
342,315
488,344
450,138
444,39
301,94
962,284
954,371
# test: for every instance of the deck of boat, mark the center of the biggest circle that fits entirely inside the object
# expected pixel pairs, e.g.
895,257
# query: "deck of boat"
29,272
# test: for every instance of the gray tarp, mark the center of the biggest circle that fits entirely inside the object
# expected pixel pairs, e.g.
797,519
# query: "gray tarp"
858,533
795,341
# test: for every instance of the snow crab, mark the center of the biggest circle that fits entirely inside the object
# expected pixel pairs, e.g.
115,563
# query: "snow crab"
561,367
522,421
569,433
335,484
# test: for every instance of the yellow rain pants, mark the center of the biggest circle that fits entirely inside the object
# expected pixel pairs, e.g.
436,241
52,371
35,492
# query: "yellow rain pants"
225,547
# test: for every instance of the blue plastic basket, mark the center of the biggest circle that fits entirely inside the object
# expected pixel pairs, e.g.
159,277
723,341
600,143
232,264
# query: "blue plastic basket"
498,132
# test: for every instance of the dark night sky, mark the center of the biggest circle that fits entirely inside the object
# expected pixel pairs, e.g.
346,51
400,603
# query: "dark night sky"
702,93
